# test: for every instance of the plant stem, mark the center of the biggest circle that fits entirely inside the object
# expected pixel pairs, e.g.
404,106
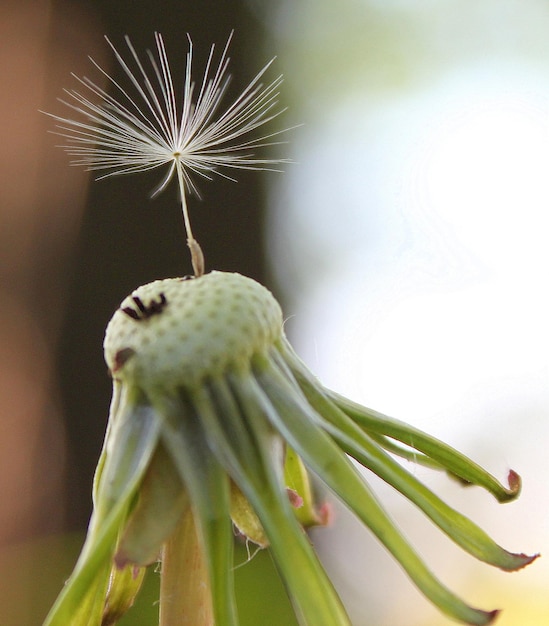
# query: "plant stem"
185,594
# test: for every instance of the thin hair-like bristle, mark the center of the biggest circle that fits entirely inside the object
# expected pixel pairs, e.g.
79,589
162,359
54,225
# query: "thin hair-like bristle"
145,126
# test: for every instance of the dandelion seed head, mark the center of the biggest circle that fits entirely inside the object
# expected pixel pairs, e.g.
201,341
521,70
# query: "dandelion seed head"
156,123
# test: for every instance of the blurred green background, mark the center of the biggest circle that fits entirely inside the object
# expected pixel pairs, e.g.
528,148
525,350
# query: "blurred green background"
407,241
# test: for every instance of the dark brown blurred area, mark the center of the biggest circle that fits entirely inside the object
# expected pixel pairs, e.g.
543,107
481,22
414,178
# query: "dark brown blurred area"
41,205
71,248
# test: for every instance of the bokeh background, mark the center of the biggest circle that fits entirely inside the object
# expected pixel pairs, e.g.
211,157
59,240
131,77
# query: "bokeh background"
407,241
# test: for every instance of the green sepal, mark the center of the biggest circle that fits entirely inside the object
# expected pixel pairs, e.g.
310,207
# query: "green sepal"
297,478
132,436
82,600
408,454
208,488
239,430
358,444
245,518
124,585
161,502
298,423
450,459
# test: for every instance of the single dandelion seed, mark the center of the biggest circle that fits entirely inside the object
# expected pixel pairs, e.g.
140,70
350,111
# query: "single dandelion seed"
149,126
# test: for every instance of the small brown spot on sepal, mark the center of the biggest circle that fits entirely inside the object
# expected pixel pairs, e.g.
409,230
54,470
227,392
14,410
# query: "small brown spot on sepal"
122,357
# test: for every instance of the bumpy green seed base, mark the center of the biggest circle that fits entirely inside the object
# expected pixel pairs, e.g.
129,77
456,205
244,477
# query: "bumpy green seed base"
205,325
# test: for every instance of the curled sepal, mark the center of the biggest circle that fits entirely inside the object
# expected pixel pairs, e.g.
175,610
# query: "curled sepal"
124,585
357,443
295,419
450,459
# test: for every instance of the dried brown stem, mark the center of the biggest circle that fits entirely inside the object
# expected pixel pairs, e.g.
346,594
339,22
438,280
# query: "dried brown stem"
185,594
197,257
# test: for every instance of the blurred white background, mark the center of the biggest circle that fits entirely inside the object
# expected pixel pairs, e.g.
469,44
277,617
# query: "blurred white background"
410,239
